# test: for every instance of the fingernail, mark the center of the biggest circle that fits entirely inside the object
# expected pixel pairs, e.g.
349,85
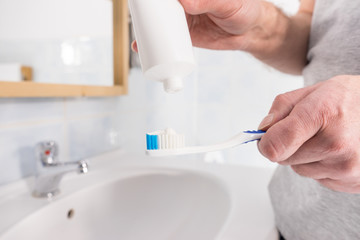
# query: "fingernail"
266,121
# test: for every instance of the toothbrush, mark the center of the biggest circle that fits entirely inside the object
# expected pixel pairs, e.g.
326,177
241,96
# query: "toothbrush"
168,143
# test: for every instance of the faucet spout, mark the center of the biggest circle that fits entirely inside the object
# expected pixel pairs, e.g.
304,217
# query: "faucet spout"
61,168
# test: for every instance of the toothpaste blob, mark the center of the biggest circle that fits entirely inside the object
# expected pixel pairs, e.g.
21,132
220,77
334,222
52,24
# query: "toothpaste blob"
164,139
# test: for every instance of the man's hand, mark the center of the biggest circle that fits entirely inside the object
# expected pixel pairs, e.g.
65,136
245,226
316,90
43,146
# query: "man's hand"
221,24
254,26
316,130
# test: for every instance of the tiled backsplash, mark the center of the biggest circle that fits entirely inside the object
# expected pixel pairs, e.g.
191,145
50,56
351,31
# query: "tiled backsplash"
229,92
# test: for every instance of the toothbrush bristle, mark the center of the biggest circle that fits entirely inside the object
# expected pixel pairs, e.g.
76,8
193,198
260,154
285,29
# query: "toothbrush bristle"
164,140
152,142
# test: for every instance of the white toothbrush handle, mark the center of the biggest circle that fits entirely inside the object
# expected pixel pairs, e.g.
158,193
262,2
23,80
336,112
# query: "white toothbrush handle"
245,137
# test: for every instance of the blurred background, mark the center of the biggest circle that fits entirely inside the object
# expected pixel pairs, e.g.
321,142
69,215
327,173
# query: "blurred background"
229,92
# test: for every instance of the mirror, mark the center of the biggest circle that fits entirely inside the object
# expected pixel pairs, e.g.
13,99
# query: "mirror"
63,48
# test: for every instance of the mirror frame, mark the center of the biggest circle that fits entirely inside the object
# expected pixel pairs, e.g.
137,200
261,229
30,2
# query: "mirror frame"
121,69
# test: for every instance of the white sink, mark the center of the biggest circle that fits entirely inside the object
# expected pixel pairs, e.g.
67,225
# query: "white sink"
125,199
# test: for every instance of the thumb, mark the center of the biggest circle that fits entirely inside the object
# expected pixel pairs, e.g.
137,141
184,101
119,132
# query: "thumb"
283,105
285,137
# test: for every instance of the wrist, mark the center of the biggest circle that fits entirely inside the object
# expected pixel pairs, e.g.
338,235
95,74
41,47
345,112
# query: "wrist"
279,40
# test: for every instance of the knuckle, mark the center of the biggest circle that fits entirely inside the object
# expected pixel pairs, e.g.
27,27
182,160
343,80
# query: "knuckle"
282,99
306,117
293,131
327,111
349,169
338,145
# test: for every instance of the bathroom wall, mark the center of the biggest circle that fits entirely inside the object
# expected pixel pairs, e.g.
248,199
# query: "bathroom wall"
230,91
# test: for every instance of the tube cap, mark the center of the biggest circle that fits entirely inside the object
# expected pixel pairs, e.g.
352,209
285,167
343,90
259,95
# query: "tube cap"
173,85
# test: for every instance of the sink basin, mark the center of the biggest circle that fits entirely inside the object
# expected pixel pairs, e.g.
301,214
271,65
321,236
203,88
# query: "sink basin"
134,197
162,204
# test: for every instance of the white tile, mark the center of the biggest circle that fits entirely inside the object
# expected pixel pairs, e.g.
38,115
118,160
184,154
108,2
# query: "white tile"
136,98
78,107
132,128
92,136
22,110
213,124
214,85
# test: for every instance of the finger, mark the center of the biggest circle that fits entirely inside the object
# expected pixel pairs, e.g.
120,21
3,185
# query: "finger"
134,46
285,137
283,105
315,170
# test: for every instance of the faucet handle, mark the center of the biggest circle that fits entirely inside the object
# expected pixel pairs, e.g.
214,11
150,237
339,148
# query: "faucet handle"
47,152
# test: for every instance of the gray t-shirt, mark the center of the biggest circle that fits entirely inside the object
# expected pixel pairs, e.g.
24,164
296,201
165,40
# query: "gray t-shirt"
303,208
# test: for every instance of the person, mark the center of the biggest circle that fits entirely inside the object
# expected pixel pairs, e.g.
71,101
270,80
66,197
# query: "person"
313,133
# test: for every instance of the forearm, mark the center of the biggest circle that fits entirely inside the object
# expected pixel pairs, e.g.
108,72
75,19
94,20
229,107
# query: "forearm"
279,40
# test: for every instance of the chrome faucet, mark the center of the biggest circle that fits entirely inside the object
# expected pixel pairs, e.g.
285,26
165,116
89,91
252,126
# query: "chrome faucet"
50,170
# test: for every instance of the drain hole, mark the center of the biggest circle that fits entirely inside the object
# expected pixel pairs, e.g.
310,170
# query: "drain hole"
70,214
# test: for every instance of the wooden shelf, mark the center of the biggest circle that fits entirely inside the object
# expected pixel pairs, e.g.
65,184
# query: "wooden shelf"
34,89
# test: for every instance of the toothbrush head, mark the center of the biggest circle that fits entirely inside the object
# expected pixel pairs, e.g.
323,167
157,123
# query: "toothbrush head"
164,139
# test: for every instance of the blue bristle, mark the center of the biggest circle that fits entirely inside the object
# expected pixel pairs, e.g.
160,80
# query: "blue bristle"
152,142
148,141
155,142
